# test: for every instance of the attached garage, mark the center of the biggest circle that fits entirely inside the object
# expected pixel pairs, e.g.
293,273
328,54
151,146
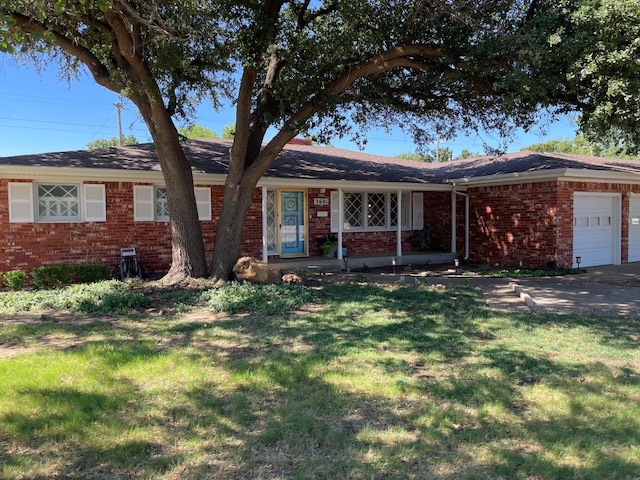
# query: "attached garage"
596,228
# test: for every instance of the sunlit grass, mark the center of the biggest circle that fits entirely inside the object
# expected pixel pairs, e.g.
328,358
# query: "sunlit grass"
379,382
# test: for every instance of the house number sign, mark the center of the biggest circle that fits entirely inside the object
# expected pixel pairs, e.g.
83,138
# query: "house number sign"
321,201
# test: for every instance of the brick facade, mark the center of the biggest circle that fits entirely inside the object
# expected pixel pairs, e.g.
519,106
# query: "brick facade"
30,245
530,223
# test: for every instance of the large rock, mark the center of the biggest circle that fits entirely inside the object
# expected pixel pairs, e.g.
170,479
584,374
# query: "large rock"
255,271
291,277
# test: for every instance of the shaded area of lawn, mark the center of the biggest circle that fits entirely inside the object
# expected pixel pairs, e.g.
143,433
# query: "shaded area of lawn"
380,382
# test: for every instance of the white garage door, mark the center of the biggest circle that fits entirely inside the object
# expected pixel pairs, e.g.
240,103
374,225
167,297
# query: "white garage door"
596,227
634,229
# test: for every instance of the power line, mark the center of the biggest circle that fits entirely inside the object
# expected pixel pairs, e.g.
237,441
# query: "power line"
48,121
48,100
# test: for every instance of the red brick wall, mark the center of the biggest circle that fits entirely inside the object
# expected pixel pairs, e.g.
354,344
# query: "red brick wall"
437,217
513,223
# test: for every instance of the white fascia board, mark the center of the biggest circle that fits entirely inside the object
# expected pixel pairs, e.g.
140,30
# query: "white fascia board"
507,178
599,176
67,173
561,174
99,174
271,182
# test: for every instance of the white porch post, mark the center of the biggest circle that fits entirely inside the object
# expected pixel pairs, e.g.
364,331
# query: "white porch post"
340,221
265,242
399,223
453,221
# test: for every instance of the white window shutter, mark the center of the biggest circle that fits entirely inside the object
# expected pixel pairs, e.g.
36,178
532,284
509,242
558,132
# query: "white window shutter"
21,202
335,211
95,203
418,211
143,203
203,202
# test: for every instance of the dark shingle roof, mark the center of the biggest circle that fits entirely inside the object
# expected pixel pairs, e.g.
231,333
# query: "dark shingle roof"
211,156
327,163
529,162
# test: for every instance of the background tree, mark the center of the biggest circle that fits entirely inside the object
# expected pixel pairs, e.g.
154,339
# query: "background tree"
431,156
579,145
465,153
111,142
229,132
196,131
418,157
333,68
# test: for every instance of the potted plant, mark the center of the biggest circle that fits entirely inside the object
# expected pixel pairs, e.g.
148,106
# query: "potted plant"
329,246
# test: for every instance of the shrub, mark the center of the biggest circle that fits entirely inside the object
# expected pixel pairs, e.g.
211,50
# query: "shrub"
15,279
89,273
109,297
51,276
56,275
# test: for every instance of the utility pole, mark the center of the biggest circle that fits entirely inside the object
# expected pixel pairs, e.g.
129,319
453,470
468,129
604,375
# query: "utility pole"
119,106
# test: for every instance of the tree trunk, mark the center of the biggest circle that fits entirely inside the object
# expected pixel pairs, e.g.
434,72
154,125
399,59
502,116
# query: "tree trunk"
188,258
228,244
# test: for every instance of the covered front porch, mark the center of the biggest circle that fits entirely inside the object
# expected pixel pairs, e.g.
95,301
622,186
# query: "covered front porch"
323,213
362,261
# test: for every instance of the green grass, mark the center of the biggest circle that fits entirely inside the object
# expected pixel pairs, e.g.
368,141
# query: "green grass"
370,382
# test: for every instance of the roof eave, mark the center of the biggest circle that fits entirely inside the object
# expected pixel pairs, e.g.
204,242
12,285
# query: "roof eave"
564,174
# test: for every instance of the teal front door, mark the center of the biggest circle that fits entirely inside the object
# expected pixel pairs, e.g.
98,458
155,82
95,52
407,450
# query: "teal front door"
292,223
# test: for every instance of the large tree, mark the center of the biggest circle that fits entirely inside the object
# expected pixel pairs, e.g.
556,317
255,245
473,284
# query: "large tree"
323,66
159,55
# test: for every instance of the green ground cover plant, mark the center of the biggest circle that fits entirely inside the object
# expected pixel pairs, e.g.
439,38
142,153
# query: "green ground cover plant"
365,381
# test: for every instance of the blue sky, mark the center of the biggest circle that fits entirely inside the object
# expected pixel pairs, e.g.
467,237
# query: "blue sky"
40,113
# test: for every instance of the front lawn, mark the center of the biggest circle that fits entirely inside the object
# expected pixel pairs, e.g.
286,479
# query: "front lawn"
364,381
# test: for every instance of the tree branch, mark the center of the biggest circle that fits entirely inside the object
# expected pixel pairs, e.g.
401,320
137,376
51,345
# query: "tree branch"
304,20
147,23
98,70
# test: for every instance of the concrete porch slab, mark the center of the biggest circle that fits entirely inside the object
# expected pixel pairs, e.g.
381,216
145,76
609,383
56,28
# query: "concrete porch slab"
362,261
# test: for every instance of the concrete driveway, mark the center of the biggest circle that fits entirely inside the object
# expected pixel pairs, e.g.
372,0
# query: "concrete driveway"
611,289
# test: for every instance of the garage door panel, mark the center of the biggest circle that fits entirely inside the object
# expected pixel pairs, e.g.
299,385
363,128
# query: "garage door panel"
594,234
